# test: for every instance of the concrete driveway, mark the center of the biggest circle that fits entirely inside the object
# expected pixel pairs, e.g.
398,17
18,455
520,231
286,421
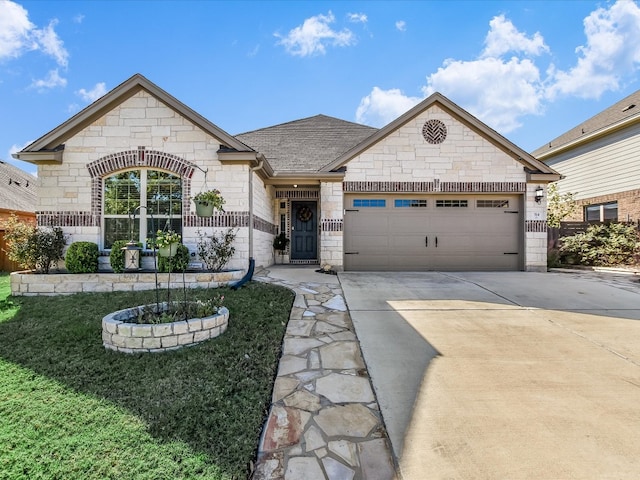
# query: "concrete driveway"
503,375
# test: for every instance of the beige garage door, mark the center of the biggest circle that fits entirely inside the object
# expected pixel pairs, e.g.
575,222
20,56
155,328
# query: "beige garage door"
435,232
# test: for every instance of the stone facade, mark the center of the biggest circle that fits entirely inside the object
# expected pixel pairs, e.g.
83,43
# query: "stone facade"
144,132
139,126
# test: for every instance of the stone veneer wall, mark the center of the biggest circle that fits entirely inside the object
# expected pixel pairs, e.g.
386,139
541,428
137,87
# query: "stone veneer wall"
31,284
465,162
120,335
144,132
332,223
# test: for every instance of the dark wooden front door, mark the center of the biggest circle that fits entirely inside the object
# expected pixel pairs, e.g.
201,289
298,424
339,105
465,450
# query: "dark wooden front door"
304,231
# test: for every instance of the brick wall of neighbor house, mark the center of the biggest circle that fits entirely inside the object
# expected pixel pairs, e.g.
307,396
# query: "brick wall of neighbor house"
465,156
331,223
628,206
142,121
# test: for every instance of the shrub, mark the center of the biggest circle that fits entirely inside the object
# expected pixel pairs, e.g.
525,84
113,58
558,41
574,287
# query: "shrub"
35,248
178,263
280,242
116,257
216,250
82,257
603,245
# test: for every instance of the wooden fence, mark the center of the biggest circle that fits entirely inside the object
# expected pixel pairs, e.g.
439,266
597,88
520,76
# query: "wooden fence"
566,229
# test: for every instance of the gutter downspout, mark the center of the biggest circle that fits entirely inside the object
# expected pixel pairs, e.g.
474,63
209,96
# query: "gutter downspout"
252,262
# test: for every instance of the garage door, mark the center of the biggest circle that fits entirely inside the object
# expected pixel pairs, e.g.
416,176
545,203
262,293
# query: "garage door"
435,232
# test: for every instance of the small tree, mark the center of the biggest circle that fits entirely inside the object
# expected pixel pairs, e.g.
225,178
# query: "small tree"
559,206
603,245
216,250
34,248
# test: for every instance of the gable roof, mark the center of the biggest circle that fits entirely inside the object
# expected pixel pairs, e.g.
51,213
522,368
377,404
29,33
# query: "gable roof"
527,160
617,116
18,191
49,147
306,145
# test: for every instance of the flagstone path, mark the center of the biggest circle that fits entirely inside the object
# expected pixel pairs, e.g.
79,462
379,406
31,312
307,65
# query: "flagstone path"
324,421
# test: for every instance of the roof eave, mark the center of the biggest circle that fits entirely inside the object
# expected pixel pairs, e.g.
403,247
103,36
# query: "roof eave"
43,157
253,159
115,97
588,137
465,117
305,178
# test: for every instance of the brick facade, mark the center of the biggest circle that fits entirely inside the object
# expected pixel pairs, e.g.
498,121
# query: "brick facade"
628,206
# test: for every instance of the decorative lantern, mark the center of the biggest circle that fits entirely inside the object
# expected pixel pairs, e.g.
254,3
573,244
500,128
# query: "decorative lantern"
131,257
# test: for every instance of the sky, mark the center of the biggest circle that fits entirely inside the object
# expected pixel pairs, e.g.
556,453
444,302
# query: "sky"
529,69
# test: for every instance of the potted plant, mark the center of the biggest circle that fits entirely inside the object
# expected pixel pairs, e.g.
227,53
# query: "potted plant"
280,243
207,201
166,242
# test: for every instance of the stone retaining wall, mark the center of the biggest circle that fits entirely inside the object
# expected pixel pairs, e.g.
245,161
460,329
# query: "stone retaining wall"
122,336
26,283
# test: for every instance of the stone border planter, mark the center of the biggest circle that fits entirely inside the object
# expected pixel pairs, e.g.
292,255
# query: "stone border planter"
122,336
26,283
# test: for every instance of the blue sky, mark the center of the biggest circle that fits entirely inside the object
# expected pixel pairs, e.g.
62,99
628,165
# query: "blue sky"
529,69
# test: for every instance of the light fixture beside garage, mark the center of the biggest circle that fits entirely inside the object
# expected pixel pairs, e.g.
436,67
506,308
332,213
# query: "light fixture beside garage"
539,194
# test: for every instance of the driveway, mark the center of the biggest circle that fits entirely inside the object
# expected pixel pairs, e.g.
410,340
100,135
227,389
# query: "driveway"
503,375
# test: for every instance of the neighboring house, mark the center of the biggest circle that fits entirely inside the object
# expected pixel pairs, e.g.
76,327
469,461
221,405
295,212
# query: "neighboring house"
436,189
599,162
18,196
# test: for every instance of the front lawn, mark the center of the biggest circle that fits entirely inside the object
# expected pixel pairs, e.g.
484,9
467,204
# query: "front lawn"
69,409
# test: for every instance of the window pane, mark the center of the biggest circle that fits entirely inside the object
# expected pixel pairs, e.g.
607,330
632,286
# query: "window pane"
164,193
452,203
122,193
369,202
120,229
611,211
492,203
403,203
592,213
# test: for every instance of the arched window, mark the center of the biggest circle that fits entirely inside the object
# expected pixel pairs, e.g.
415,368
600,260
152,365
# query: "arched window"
154,197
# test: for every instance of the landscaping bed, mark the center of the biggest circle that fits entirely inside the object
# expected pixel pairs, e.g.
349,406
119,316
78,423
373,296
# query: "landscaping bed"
71,409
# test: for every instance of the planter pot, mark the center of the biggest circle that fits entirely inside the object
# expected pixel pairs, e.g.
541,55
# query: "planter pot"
169,251
204,209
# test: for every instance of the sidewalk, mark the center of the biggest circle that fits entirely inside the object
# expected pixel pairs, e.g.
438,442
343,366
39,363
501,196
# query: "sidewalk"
324,421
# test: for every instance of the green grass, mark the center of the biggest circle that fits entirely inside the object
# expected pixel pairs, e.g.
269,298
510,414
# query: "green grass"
69,409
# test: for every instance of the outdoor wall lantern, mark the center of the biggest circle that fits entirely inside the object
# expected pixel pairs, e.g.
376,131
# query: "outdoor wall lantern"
539,194
131,257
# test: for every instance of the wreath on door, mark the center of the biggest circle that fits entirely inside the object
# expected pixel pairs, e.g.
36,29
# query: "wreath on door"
304,214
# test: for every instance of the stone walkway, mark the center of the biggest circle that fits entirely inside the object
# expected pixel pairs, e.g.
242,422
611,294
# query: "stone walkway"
324,421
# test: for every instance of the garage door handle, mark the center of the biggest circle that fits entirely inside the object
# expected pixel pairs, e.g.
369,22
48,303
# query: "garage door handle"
436,242
426,241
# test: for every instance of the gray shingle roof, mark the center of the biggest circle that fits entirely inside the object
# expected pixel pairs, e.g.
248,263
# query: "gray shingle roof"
606,118
306,145
18,189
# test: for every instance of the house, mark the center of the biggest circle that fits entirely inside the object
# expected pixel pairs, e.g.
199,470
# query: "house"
18,196
598,160
436,189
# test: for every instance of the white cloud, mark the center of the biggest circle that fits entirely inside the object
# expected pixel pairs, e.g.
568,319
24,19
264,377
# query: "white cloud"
52,80
401,25
496,91
312,37
49,41
95,93
15,30
611,53
357,17
18,35
79,18
503,37
382,106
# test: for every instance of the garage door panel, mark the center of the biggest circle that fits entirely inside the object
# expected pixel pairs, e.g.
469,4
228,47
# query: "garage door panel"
468,238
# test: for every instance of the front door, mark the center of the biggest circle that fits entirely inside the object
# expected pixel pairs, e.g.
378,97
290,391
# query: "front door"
304,231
